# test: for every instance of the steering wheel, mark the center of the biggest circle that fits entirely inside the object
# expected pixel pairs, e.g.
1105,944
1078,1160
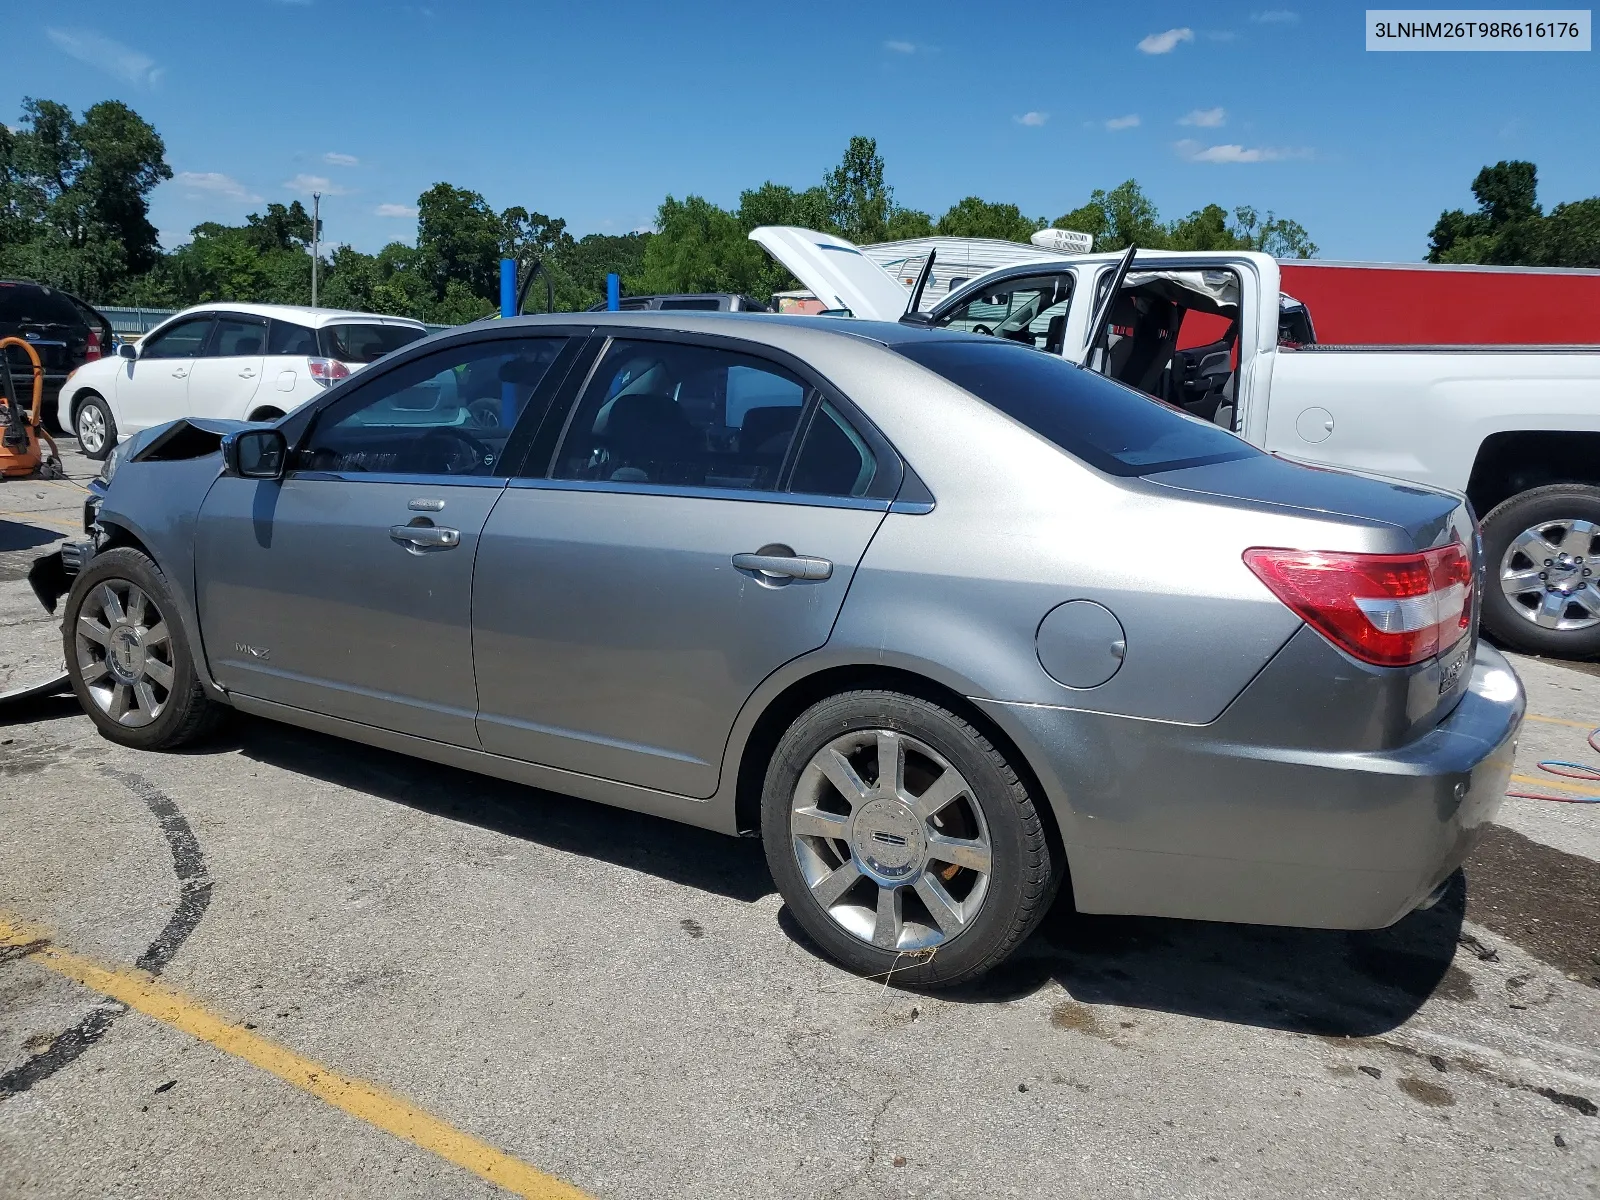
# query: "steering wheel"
983,329
455,452
485,413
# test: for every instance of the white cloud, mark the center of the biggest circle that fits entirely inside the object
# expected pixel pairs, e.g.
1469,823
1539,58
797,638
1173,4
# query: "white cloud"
1275,16
1205,118
341,160
306,184
1192,151
901,47
1165,43
1131,121
214,183
394,210
126,63
1032,118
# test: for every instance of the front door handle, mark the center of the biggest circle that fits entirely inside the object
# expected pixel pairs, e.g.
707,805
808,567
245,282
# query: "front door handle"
790,566
432,537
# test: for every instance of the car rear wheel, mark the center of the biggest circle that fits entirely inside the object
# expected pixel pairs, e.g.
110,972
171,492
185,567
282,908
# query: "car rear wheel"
95,427
1542,550
130,666
903,841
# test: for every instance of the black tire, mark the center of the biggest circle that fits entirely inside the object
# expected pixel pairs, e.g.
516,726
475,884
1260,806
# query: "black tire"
1023,872
92,400
266,414
1550,506
186,712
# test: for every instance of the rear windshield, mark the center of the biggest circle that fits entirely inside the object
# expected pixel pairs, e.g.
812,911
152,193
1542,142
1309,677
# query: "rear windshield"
366,343
38,304
1111,427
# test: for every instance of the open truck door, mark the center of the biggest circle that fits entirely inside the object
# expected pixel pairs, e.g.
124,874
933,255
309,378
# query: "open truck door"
835,271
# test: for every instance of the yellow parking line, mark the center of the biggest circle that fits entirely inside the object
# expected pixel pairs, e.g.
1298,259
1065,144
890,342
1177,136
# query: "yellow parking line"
1556,784
28,517
1561,721
360,1099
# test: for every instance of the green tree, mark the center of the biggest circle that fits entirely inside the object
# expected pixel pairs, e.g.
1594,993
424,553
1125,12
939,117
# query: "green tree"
977,218
1117,219
76,195
1570,235
461,240
699,247
1506,227
1274,235
859,202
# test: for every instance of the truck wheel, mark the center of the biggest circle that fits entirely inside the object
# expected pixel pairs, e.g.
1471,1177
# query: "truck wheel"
1542,553
130,666
903,841
95,426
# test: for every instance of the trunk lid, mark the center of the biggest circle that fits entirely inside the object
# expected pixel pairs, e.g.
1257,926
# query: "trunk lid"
835,271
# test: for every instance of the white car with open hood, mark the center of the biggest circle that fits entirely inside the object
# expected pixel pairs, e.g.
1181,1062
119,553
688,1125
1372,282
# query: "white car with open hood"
239,362
1516,429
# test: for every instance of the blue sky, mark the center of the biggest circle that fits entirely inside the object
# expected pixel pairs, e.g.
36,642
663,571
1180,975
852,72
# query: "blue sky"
594,112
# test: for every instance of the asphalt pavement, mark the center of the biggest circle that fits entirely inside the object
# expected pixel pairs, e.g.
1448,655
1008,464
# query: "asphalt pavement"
283,965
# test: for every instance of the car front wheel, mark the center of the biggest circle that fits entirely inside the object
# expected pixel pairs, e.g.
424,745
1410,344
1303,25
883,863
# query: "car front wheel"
95,427
129,663
903,841
1542,551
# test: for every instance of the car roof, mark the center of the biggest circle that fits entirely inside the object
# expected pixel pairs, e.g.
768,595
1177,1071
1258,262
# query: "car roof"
771,328
316,318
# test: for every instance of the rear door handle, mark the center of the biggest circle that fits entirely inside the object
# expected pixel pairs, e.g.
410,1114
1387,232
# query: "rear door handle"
181,373
795,566
247,373
435,537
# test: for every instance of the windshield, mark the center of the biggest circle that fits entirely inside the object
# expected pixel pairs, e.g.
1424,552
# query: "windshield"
366,343
1112,428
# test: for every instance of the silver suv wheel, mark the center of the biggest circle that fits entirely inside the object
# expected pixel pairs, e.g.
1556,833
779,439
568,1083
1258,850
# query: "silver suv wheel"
890,840
124,653
1548,574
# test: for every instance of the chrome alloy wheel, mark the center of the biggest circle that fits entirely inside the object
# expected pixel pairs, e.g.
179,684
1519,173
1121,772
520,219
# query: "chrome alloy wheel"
890,840
124,652
1548,574
91,429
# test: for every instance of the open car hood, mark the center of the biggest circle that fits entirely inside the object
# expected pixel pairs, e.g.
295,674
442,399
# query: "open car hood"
835,271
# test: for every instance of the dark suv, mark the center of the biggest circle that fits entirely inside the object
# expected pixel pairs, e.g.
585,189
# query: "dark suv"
63,330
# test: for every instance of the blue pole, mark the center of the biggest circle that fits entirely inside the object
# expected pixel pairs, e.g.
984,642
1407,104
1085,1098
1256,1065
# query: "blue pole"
508,305
613,292
508,287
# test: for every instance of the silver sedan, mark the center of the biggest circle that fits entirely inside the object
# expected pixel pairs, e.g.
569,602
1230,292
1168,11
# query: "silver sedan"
944,621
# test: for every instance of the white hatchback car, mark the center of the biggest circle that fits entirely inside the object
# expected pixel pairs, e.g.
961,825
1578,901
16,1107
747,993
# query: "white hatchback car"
250,362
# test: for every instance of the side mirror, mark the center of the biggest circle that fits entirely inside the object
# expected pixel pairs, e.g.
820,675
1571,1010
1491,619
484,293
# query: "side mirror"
917,318
255,454
124,350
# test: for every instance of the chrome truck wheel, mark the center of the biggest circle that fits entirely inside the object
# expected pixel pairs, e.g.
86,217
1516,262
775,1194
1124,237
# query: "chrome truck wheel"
1542,558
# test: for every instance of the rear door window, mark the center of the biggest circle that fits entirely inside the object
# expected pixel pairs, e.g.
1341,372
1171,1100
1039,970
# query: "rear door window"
364,343
237,337
1111,427
684,415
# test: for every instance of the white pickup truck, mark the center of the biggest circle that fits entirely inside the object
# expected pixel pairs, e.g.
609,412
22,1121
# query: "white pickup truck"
1516,429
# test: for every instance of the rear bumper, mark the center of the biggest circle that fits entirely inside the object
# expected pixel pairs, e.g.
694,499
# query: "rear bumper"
1184,821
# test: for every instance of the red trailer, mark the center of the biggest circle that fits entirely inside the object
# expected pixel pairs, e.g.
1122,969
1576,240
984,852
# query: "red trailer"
1422,304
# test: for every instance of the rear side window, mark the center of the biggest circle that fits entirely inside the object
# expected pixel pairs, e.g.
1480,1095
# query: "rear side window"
1113,428
40,305
293,340
366,343
833,459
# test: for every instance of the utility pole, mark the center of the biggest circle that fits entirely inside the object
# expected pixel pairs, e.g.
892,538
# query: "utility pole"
316,241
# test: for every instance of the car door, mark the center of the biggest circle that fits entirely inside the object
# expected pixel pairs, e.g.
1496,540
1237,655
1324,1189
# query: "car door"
154,387
345,588
699,526
1031,308
228,370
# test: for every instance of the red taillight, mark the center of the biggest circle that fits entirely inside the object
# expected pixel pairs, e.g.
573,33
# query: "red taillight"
92,350
1388,609
327,371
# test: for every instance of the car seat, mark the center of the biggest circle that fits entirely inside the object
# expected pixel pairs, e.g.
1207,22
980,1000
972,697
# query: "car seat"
647,432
